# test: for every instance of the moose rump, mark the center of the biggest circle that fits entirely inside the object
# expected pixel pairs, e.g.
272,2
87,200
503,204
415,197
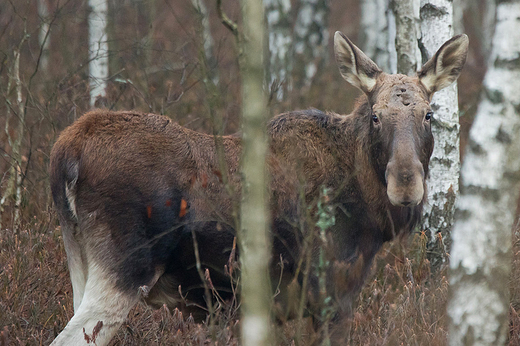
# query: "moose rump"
121,183
132,190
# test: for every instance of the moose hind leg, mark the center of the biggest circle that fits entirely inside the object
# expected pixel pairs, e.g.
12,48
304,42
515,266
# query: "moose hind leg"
76,262
103,309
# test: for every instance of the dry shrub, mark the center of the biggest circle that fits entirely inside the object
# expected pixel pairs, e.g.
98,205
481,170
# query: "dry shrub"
403,303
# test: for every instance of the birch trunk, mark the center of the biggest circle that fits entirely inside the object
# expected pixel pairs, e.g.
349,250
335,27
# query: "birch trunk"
311,39
43,35
407,31
279,28
14,184
459,7
253,236
207,39
443,180
481,256
488,26
98,49
378,33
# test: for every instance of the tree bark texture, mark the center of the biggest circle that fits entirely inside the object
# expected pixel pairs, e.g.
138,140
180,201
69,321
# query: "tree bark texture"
43,35
459,7
443,181
378,33
14,184
311,40
488,25
279,25
406,14
481,255
98,49
204,33
253,236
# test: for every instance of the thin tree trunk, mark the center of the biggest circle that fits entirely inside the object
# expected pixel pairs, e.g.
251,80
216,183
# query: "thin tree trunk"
311,40
207,39
407,31
443,180
378,33
14,188
459,7
98,49
488,26
279,28
43,36
480,264
253,236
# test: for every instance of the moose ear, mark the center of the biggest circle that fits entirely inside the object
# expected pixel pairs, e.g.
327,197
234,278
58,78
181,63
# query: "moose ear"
445,66
355,67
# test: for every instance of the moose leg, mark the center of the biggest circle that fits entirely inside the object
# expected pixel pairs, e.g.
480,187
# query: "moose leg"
76,262
103,309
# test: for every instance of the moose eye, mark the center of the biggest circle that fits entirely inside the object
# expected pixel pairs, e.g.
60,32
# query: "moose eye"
375,119
428,116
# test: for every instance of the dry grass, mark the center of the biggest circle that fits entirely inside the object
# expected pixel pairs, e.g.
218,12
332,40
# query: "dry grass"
403,303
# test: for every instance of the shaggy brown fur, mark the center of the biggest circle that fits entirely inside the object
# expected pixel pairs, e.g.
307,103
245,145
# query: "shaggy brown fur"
130,188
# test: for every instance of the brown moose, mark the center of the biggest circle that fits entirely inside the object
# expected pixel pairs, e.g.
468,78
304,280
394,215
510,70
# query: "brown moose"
130,188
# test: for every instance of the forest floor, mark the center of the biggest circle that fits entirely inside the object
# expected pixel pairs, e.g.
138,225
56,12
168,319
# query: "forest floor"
403,302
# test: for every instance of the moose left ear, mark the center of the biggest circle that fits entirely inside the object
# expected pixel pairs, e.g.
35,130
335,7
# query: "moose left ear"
445,66
355,67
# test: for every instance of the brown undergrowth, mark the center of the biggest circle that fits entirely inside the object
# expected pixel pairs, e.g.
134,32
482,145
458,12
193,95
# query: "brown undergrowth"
402,303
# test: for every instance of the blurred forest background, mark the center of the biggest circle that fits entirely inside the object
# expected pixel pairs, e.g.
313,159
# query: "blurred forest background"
160,61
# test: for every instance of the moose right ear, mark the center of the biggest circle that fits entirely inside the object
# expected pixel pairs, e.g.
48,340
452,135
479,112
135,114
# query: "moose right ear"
355,67
445,66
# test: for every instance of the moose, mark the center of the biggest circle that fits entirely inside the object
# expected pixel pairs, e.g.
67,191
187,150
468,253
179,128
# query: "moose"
134,190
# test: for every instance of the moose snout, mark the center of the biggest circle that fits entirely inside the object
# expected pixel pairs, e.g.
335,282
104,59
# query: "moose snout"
405,183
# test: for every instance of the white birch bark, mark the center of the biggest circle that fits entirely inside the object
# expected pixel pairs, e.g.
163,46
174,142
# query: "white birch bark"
480,265
98,49
311,38
254,239
43,35
279,29
459,7
443,180
15,137
378,34
207,38
406,13
488,26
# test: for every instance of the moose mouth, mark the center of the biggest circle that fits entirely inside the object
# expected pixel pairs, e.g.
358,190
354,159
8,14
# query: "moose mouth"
405,187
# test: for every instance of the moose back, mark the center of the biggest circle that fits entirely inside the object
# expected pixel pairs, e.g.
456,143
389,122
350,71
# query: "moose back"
133,190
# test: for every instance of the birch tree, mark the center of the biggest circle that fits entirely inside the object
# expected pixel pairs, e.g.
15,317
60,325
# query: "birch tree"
378,33
443,180
98,49
481,255
279,29
254,237
488,24
311,39
407,29
204,29
15,106
43,35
